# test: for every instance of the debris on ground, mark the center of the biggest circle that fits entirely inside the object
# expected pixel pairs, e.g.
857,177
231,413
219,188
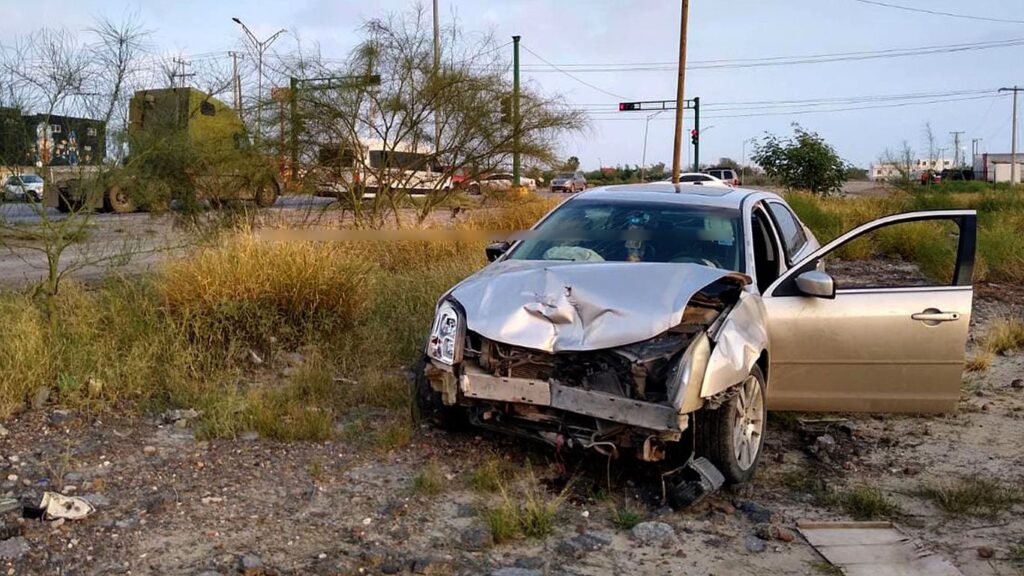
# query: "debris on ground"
697,480
876,548
54,506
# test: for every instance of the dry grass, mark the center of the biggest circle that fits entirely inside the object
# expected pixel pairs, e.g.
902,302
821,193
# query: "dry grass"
526,509
979,362
1004,335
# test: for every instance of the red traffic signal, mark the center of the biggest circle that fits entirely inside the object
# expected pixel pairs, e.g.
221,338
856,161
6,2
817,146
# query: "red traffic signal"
693,136
628,106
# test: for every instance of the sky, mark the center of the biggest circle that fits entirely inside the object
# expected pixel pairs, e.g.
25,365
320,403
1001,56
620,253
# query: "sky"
614,36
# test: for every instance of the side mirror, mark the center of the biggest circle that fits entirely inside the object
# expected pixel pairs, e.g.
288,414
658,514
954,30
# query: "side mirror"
816,283
495,250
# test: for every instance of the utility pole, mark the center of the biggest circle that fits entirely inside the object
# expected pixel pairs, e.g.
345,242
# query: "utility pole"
974,151
236,82
956,148
680,101
437,68
260,48
179,72
515,112
1013,141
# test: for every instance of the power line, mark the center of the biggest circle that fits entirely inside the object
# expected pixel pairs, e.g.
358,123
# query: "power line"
831,101
821,111
781,60
580,80
939,13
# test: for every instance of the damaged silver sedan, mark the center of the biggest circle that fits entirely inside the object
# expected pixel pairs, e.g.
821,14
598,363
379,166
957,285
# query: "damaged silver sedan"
660,321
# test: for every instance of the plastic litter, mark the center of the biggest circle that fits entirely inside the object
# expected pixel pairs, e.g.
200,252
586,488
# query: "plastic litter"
53,506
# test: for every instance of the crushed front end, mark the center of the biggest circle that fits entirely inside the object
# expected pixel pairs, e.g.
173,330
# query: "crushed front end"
635,397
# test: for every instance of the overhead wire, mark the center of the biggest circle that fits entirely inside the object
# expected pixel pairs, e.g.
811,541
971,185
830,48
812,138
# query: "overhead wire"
577,79
778,60
940,13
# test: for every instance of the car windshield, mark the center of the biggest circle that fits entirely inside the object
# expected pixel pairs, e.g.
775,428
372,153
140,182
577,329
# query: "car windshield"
31,179
632,231
565,176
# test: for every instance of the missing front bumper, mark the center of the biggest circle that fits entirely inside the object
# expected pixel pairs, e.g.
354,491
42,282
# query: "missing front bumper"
477,385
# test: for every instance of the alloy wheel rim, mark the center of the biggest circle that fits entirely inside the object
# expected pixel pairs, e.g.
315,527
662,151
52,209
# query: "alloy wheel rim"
748,423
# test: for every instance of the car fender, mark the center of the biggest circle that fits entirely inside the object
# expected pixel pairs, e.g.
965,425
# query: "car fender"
738,343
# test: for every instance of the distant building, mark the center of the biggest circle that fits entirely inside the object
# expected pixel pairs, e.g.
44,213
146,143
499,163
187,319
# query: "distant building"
50,140
890,170
996,167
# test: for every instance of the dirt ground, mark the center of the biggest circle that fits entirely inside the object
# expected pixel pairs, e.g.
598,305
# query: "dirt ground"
167,503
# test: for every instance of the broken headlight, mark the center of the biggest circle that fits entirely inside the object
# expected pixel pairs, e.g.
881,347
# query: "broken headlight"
446,336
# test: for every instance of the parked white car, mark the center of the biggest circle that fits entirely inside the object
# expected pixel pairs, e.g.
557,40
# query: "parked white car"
24,187
701,180
497,182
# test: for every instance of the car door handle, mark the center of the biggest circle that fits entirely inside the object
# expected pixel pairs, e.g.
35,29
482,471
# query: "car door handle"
932,316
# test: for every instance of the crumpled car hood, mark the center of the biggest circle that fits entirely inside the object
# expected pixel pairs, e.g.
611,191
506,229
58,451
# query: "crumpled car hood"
571,306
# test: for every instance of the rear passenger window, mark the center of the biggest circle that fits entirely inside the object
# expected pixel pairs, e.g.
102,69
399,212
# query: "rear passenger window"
793,238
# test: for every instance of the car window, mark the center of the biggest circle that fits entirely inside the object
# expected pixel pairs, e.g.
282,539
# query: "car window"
716,173
631,231
31,179
694,178
897,255
793,237
12,180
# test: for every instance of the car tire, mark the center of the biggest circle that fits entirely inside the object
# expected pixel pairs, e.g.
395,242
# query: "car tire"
426,402
732,436
118,201
267,193
474,189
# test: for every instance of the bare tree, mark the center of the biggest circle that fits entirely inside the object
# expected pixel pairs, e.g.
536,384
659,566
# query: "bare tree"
901,164
384,124
51,71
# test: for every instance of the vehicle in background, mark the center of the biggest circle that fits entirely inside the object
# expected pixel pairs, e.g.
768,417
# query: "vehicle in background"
930,177
727,175
372,164
950,174
24,187
700,179
160,120
498,182
663,321
569,182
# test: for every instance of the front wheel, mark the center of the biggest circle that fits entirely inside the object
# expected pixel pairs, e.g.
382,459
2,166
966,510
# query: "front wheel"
426,402
732,436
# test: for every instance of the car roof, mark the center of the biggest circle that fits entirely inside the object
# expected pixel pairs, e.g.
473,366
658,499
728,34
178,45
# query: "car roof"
673,193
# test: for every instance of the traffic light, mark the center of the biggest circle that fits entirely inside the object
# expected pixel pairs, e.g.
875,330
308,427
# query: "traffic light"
693,136
628,106
506,109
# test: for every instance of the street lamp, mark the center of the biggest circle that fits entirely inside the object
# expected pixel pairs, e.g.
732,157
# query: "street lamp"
260,48
743,156
643,160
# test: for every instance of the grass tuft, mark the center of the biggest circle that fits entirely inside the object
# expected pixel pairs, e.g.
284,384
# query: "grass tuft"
627,515
972,496
979,362
430,481
863,503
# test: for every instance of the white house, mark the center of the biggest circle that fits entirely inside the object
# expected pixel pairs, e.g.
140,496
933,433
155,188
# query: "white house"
889,170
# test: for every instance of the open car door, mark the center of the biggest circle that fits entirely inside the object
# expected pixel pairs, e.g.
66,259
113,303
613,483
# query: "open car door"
879,334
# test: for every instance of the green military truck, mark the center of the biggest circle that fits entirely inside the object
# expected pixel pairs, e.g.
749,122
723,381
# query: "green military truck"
180,138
